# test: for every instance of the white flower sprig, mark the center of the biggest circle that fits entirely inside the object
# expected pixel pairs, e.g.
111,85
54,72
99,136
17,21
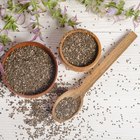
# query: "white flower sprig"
114,8
14,12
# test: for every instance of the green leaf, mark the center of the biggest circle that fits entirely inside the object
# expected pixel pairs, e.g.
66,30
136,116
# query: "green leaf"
87,2
72,23
129,13
50,3
22,8
56,13
62,21
136,14
120,7
34,5
10,5
98,2
10,23
111,4
121,4
4,39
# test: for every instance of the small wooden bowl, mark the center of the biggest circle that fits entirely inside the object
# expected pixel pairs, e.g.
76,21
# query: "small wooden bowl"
36,44
78,68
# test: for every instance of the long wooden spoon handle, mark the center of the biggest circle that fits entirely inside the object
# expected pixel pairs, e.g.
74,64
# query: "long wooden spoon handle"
106,63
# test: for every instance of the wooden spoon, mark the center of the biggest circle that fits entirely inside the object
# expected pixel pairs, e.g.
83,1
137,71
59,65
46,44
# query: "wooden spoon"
78,93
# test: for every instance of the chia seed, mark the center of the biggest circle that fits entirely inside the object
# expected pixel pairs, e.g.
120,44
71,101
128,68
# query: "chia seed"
67,107
29,70
80,49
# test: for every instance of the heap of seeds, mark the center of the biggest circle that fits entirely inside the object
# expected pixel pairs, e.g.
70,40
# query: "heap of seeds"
29,70
67,107
80,49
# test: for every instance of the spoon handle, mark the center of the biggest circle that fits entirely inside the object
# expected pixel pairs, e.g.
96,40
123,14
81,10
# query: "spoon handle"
95,74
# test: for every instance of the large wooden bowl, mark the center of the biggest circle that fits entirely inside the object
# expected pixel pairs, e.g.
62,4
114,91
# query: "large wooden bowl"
26,44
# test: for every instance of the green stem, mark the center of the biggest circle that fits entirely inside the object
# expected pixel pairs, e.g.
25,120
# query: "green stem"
23,8
6,26
33,2
37,19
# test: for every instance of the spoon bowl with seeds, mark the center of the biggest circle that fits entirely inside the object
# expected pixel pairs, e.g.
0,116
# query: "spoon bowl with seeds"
69,103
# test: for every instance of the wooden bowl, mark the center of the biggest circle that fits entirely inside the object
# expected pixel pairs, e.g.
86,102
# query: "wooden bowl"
25,44
80,68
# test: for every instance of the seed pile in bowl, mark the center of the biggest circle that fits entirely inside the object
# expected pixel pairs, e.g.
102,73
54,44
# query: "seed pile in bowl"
29,70
80,49
67,107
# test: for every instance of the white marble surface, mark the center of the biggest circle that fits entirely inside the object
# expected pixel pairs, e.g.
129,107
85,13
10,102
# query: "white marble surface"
111,108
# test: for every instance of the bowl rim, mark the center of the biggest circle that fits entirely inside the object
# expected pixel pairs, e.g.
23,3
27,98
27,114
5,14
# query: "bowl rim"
83,68
34,44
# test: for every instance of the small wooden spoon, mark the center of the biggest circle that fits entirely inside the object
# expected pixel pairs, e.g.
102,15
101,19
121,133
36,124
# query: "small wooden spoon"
94,75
